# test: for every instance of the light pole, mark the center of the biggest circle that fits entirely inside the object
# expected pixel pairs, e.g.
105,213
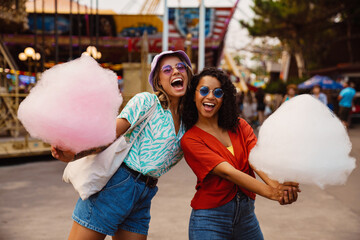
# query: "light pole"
188,47
28,54
165,35
201,54
93,52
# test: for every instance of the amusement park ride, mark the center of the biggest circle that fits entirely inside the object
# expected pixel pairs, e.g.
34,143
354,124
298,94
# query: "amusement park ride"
76,33
14,140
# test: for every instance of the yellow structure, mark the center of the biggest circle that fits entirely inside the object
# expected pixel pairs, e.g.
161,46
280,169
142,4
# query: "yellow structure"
127,21
233,68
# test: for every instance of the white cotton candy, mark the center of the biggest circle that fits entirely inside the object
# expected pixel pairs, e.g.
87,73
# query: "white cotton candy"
304,141
74,105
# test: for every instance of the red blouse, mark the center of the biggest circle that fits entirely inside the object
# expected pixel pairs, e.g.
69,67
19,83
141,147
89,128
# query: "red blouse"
203,152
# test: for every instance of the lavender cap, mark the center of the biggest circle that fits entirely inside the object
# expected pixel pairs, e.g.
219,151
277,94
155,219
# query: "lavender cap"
159,56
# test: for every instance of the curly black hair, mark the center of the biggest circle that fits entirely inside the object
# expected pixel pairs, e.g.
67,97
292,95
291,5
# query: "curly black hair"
228,118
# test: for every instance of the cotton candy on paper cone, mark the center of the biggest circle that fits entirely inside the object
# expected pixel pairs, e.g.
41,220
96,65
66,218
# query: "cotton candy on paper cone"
304,141
74,105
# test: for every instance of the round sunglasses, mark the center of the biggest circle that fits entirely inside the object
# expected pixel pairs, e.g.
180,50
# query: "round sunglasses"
204,91
168,69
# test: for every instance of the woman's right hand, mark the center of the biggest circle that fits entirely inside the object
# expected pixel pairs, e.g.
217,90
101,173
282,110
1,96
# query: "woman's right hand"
62,155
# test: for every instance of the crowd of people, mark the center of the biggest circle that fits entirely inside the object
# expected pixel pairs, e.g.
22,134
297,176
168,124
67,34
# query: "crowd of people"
255,106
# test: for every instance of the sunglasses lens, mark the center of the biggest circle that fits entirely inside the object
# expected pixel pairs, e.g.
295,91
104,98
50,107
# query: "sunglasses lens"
204,91
167,69
181,67
218,93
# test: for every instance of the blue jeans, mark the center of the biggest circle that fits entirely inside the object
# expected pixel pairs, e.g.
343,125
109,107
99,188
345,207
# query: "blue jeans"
232,221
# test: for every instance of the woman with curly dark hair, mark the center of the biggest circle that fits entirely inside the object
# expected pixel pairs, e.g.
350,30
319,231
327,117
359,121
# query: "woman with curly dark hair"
228,118
216,147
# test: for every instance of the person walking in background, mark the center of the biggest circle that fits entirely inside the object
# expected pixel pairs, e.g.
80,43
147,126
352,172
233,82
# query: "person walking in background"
249,109
291,92
260,100
316,93
345,102
216,147
122,208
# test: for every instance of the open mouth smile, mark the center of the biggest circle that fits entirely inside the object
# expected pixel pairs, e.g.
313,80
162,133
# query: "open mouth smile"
208,106
177,83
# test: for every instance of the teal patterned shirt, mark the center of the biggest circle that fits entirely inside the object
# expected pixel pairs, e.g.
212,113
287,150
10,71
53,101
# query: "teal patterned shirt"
157,148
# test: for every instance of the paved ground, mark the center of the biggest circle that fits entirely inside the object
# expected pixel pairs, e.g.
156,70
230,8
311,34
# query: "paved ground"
36,205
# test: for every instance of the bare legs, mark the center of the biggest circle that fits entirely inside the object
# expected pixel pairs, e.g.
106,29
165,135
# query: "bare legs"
125,235
79,232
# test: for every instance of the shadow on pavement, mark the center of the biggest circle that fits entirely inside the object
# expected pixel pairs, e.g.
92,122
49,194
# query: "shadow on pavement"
23,160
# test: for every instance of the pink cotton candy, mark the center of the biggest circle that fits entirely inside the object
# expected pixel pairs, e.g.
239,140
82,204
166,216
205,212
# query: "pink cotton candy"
74,106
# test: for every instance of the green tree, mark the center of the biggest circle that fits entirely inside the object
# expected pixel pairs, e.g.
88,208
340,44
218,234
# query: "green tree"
305,28
13,16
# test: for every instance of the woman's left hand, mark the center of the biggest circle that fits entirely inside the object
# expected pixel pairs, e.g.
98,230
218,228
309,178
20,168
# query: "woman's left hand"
290,192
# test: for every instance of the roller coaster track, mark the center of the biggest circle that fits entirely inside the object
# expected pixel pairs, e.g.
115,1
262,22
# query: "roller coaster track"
149,7
14,141
8,57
